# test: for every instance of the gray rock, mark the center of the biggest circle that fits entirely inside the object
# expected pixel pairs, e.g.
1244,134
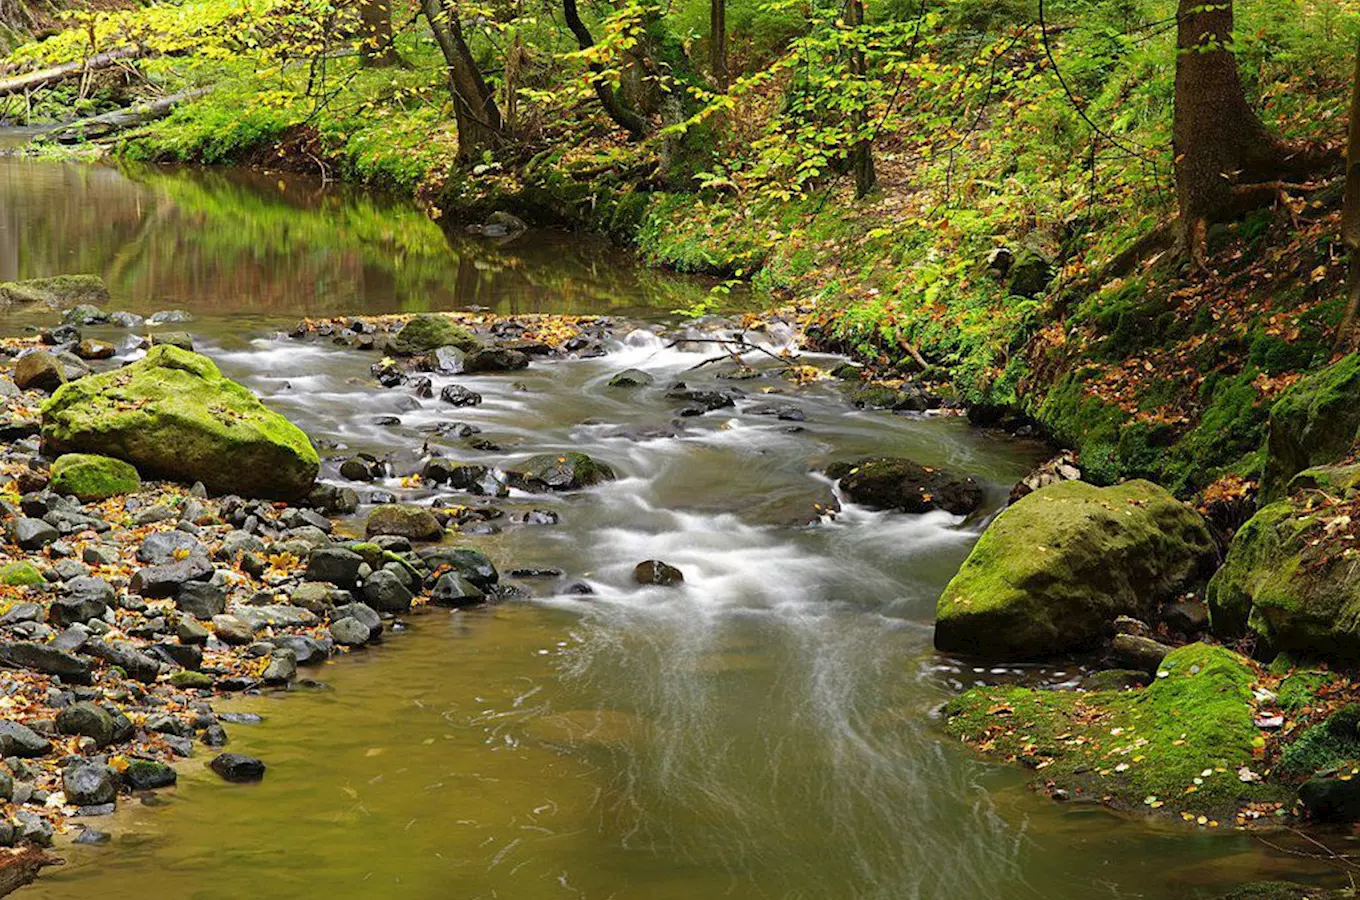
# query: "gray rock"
1140,653
201,599
334,565
282,667
238,542
167,547
385,592
72,639
656,572
631,378
32,534
350,632
306,650
473,565
126,656
86,598
89,720
17,739
88,785
232,630
165,580
364,614
276,614
33,828
40,658
453,590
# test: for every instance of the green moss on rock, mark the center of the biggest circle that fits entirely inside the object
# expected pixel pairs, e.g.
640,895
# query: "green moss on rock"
58,292
1054,570
173,415
89,477
21,574
1133,748
430,332
1291,580
1313,423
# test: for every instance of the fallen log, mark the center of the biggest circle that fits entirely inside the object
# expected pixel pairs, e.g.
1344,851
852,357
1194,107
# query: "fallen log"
18,84
21,867
119,119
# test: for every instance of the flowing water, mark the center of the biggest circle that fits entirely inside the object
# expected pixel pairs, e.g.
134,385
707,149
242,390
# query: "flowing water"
764,731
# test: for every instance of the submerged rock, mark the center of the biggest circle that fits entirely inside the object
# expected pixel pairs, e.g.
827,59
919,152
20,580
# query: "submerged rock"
90,477
174,415
1053,571
905,485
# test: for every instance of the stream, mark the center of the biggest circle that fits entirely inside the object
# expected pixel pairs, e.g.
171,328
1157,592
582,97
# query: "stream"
763,731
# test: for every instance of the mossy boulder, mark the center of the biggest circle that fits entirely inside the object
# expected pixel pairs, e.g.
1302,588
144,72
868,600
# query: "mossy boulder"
558,472
430,332
1290,575
1176,745
58,292
89,477
1313,423
173,415
21,574
1055,569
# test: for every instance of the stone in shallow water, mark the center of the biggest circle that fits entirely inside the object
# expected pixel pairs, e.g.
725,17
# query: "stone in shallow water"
656,572
237,767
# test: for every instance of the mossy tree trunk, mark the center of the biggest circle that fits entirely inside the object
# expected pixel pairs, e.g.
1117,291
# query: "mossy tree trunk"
376,49
477,116
1226,161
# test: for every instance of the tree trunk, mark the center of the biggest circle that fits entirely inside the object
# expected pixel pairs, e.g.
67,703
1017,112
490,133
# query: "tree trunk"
376,49
625,118
474,107
1223,152
1350,218
717,42
862,156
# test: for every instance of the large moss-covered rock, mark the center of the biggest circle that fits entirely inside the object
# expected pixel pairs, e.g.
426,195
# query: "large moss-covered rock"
1054,570
58,292
1313,423
1176,745
1291,575
173,415
88,476
430,332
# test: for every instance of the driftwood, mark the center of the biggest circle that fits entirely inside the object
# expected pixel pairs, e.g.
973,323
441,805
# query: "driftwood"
18,84
120,119
20,867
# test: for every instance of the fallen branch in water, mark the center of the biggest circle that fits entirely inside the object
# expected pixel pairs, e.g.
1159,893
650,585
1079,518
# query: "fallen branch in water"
18,84
111,122
21,867
744,345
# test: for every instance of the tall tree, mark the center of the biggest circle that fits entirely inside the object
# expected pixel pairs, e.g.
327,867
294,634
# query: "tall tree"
862,155
717,42
376,48
474,106
627,119
1226,161
1350,218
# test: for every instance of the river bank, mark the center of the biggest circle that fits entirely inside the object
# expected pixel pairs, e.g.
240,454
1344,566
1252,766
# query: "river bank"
622,567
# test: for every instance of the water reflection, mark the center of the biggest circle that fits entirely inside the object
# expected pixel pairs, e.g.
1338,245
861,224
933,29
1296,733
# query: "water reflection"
232,241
